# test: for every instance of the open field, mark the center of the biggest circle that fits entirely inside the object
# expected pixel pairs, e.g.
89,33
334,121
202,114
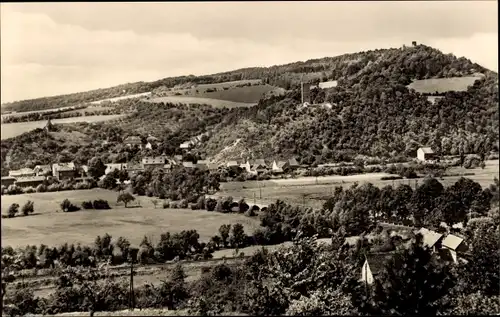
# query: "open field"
313,191
443,84
54,227
10,130
230,83
247,94
18,114
197,100
93,109
144,94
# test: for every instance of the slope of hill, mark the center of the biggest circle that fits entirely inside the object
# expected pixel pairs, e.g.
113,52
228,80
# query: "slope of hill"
373,111
401,64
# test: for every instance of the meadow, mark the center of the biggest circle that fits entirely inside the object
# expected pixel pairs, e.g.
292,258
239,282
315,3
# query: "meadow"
247,94
10,130
313,191
198,100
50,226
443,84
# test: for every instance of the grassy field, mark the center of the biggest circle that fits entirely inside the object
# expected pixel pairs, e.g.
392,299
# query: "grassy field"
91,109
313,191
51,226
10,130
443,84
247,94
198,100
230,84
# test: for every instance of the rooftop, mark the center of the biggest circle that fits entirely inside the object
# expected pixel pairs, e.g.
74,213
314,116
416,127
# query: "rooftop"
452,242
430,238
427,150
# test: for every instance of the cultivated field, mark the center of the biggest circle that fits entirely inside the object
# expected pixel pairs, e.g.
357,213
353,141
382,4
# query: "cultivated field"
53,227
10,130
247,94
144,94
313,191
196,100
229,84
443,84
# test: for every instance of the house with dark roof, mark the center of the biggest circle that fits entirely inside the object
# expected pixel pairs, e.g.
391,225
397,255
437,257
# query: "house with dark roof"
154,162
279,167
64,170
260,166
132,141
426,154
455,246
43,170
293,163
8,180
31,181
373,266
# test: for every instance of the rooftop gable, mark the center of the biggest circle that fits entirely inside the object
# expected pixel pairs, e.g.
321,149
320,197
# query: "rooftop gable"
452,242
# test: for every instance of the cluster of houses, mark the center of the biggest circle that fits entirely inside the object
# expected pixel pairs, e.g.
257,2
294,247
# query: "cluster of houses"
449,248
27,177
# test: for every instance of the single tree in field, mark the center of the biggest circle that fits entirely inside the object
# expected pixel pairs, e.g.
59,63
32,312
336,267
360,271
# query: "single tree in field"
224,234
96,167
238,236
125,198
13,209
28,208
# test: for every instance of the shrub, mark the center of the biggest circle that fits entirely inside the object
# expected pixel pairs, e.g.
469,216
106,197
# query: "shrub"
250,213
193,206
42,188
101,204
13,209
389,178
183,204
210,204
14,190
87,205
28,190
67,206
54,187
28,208
200,203
174,205
165,205
82,185
3,188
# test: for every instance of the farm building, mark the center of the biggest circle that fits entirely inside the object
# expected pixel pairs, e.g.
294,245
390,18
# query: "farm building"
23,172
280,166
202,164
212,166
8,180
114,166
454,245
64,170
431,239
186,145
232,164
32,181
260,166
154,162
373,265
43,170
425,154
133,168
132,141
293,163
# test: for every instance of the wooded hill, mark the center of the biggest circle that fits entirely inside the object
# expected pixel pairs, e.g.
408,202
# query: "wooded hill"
373,112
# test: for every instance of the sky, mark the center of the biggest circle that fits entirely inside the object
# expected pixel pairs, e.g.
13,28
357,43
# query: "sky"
57,48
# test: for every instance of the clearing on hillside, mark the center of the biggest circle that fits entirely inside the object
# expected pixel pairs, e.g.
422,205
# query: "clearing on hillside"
50,226
10,130
201,101
247,94
441,85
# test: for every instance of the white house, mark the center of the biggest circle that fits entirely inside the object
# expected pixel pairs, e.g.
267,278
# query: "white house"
425,154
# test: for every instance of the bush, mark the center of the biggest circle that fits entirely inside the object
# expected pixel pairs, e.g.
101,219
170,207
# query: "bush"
28,190
3,188
87,205
165,205
250,213
174,205
210,204
193,206
200,203
28,208
101,204
54,187
183,204
389,178
14,190
67,206
13,209
42,188
82,185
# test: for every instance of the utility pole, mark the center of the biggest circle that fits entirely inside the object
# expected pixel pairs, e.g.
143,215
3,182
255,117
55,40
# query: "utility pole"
131,290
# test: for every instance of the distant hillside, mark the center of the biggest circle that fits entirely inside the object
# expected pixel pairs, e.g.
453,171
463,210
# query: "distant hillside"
373,112
348,68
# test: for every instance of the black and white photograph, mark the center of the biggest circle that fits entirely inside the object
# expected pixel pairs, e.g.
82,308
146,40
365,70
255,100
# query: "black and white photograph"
250,158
